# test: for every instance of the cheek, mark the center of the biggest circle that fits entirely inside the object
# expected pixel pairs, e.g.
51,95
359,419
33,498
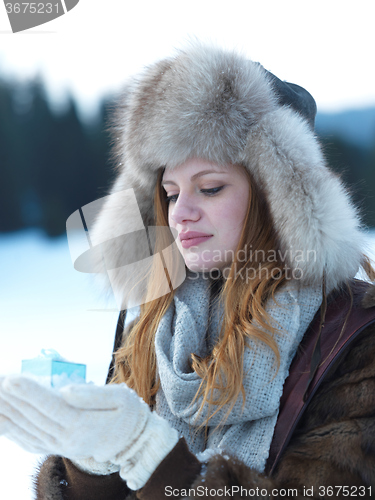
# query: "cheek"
233,213
171,222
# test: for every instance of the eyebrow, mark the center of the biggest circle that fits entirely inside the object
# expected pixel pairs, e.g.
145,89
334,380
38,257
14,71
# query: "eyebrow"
199,174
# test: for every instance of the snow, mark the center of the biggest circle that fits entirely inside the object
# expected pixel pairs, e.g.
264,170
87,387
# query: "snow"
46,304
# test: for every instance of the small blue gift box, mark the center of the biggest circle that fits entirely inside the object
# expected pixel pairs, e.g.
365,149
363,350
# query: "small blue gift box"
54,370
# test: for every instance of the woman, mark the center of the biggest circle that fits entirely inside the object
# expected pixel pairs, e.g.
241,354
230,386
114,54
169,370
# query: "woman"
223,153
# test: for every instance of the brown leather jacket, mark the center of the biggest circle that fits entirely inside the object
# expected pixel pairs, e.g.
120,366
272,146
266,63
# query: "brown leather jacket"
324,440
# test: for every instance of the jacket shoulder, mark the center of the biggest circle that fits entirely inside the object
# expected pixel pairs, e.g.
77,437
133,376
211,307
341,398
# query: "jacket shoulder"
334,443
349,388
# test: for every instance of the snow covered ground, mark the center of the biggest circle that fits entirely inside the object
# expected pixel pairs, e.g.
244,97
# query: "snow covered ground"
45,303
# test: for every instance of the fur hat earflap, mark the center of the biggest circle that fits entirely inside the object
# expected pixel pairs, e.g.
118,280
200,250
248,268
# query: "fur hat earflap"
219,106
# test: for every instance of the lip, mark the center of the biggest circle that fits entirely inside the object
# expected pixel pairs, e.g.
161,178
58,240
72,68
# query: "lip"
193,238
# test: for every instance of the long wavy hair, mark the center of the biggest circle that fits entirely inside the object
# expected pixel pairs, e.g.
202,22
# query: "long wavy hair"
249,282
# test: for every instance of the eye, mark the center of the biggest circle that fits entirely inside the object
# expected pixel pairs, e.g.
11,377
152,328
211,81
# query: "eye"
212,191
207,192
172,198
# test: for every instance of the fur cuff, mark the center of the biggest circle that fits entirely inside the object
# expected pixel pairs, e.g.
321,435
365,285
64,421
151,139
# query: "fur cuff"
50,481
228,477
369,298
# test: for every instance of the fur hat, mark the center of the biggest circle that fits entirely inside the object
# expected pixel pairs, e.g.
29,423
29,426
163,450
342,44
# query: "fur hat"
217,105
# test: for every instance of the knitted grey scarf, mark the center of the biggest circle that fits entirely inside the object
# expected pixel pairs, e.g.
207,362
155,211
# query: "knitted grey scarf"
192,325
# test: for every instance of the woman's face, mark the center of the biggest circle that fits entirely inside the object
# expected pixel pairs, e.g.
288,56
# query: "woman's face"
207,205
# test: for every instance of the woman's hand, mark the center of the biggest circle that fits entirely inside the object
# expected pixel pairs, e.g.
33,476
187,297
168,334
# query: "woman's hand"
109,423
75,422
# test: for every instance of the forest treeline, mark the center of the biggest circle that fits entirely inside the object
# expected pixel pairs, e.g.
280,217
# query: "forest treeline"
52,162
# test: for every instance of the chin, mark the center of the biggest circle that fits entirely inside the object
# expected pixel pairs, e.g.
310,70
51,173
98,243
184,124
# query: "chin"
204,267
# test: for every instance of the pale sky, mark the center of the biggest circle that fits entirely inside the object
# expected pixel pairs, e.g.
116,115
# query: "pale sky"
324,45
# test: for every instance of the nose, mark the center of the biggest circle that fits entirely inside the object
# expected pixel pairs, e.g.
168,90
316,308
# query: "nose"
184,210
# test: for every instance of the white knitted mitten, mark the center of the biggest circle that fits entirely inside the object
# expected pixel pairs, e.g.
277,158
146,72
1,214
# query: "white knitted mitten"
87,423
